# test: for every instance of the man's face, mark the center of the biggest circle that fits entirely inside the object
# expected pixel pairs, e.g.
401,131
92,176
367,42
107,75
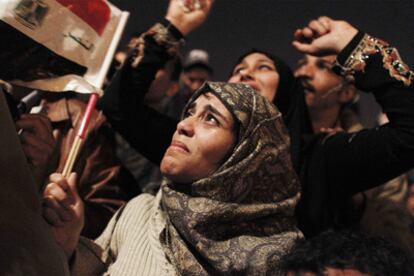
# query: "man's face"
194,78
321,85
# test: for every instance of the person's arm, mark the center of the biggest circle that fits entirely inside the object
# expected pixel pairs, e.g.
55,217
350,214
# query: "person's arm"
375,155
358,161
145,129
63,209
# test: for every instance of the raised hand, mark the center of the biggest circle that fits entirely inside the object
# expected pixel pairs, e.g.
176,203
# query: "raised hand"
63,209
324,36
187,15
38,143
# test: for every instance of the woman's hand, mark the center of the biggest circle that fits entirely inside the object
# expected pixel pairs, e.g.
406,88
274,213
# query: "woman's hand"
188,15
63,209
324,36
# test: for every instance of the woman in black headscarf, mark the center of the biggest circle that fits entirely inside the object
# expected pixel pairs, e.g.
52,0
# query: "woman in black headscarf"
288,96
332,168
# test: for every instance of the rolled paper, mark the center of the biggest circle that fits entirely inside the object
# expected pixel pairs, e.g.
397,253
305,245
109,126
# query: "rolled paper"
87,116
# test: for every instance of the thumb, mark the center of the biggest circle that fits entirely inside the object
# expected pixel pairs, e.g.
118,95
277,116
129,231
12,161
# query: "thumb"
303,47
73,189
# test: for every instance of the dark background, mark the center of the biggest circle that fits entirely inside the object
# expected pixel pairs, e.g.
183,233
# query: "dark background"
237,25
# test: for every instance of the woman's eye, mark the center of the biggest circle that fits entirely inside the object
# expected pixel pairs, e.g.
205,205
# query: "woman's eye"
237,70
266,67
188,113
211,119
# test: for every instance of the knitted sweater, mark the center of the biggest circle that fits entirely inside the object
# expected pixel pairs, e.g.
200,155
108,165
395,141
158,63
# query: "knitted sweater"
129,245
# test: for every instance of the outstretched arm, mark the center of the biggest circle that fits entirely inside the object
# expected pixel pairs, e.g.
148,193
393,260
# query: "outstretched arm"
144,128
358,161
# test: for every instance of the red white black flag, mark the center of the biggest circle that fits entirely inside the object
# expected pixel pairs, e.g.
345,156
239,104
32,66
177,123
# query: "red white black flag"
57,45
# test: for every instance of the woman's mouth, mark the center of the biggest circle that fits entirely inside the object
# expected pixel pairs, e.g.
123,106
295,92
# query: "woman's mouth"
179,146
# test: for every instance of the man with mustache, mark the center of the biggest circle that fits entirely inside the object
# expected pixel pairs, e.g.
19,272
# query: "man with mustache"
327,96
326,93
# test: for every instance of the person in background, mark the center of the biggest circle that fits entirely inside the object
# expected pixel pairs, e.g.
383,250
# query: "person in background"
47,139
160,95
346,253
379,211
196,70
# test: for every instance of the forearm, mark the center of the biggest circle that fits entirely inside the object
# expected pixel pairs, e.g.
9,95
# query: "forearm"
132,81
377,67
123,103
370,157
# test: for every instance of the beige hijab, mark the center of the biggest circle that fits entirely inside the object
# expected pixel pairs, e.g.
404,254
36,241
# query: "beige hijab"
241,218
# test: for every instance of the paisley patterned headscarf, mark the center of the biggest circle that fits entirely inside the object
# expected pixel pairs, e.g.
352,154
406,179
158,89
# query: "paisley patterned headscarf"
241,218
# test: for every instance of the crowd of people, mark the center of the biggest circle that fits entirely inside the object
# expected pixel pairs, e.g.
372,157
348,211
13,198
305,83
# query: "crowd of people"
269,173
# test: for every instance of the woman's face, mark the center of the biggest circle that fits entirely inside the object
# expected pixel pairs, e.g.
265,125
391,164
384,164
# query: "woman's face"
258,71
201,142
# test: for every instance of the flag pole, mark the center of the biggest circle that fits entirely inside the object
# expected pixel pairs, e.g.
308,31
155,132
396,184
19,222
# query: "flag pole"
80,136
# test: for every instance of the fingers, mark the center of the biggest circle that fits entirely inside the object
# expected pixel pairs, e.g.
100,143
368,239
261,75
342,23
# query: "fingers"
318,28
52,217
303,47
58,194
314,29
72,185
59,179
65,191
325,21
192,5
57,203
206,4
56,212
317,38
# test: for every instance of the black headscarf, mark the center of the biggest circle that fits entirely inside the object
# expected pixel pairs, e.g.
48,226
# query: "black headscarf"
315,210
290,100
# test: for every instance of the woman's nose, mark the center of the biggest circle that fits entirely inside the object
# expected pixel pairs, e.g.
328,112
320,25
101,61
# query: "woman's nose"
246,74
186,126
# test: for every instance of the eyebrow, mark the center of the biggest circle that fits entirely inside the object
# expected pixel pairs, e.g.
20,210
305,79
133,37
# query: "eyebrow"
212,109
243,62
265,60
192,105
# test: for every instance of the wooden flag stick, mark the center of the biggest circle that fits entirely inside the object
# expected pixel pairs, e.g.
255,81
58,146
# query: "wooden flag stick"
80,136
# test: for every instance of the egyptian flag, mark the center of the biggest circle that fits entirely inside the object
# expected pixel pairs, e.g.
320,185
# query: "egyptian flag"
58,45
